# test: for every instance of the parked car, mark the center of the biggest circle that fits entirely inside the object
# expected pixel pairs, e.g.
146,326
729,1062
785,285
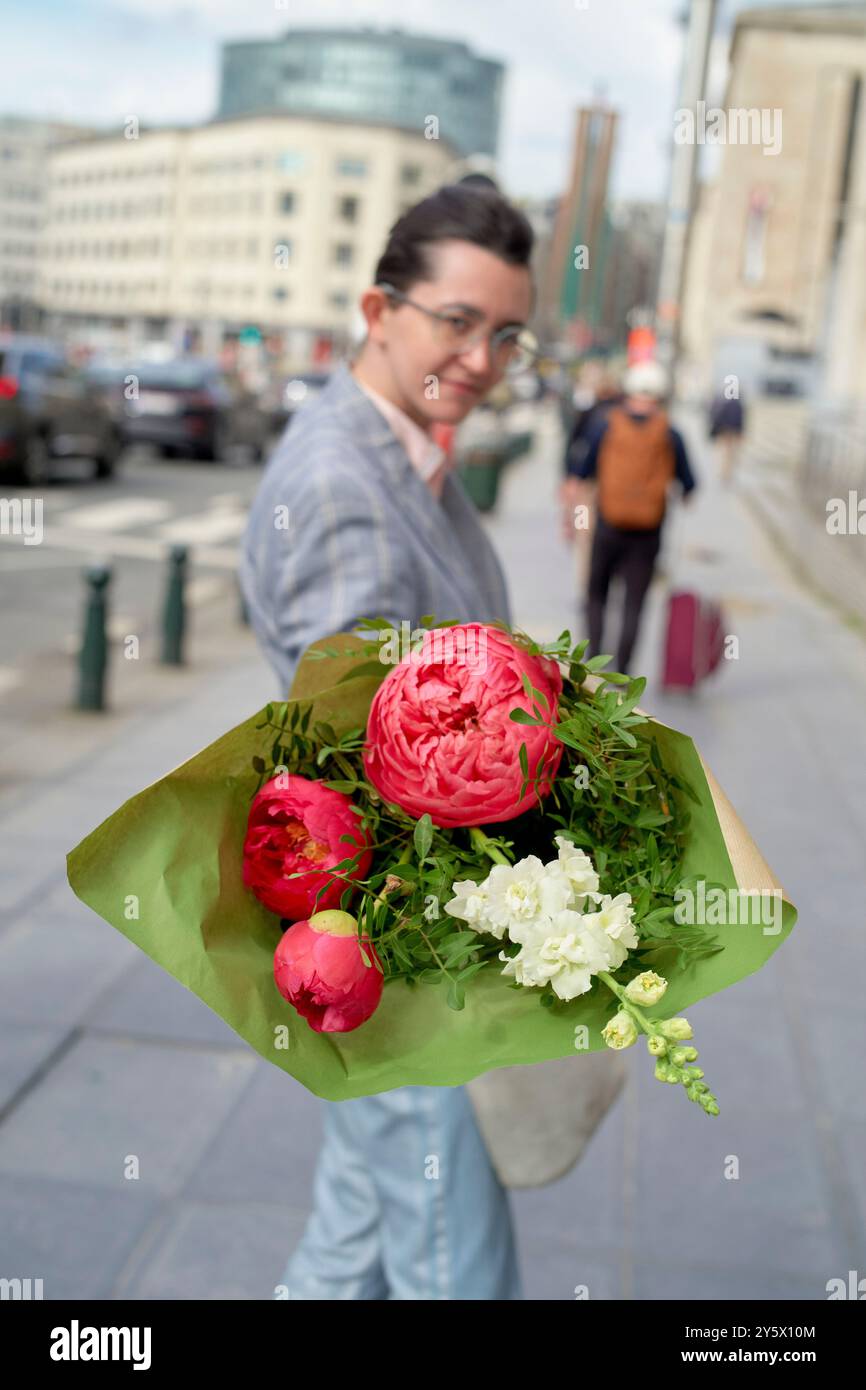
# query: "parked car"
286,395
49,409
187,406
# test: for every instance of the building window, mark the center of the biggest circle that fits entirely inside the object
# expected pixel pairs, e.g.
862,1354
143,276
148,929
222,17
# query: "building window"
338,299
280,292
291,160
410,173
343,253
348,209
355,168
286,202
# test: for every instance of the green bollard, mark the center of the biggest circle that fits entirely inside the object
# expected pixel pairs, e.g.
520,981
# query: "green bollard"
174,608
93,656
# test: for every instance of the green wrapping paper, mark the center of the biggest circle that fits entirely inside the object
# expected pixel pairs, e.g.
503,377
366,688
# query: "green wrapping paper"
165,870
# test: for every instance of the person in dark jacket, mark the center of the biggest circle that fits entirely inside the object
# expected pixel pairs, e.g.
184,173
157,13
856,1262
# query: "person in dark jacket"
591,413
726,426
591,404
633,456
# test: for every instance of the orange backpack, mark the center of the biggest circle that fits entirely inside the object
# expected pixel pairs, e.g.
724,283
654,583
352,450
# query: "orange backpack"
635,466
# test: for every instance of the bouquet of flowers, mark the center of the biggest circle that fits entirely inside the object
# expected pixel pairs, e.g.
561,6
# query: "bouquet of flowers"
445,852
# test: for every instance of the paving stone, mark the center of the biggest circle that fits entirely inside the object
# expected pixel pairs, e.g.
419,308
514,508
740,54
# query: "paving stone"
52,970
150,1003
73,1237
222,1250
23,1050
268,1145
110,1098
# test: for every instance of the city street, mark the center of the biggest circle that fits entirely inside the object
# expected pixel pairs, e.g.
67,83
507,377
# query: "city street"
103,1055
131,522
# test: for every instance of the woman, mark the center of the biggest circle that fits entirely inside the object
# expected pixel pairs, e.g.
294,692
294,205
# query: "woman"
406,1202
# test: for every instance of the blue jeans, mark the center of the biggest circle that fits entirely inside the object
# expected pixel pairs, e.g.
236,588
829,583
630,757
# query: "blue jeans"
406,1204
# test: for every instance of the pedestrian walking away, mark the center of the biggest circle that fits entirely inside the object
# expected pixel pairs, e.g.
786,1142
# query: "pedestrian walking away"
727,421
632,458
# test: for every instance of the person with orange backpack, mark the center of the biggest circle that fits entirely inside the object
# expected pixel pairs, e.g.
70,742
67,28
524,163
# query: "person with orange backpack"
634,454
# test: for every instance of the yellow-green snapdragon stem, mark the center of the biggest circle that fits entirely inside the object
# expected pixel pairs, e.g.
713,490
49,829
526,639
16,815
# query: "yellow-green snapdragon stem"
691,1077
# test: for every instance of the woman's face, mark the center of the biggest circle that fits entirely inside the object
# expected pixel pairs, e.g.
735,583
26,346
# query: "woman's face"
474,287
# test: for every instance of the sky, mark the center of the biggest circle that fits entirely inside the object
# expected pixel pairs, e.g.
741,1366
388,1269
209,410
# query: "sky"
100,61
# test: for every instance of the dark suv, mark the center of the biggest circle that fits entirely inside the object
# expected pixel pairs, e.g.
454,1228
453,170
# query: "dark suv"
50,409
189,406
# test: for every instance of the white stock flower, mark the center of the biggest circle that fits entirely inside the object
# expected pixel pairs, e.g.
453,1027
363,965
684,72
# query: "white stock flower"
527,968
577,866
566,952
523,895
615,918
539,906
470,903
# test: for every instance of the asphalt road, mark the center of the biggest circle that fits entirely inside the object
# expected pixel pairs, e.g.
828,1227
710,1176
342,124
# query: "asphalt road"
130,522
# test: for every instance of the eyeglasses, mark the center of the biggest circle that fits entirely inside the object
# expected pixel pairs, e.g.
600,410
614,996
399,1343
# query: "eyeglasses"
512,350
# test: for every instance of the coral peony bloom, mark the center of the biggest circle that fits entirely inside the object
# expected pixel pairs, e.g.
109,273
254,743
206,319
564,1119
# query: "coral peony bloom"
295,826
319,968
439,738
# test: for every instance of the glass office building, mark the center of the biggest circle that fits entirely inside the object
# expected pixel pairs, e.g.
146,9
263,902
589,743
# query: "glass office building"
368,75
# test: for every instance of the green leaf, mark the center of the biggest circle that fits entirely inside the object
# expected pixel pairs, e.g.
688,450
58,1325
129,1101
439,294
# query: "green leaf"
648,817
407,873
456,996
595,663
258,765
631,698
521,716
423,836
472,969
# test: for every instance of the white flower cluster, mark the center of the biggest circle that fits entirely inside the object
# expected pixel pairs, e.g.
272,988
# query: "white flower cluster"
541,907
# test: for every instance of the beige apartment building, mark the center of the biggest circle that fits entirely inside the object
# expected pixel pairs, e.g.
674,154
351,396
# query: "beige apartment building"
24,147
267,221
777,253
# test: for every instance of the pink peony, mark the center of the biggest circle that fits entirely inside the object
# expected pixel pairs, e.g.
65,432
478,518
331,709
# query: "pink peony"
439,738
295,825
319,968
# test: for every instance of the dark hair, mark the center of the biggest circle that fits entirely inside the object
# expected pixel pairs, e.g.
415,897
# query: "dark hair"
466,211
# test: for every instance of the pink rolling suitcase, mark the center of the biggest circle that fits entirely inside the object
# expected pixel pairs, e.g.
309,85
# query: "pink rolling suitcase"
694,640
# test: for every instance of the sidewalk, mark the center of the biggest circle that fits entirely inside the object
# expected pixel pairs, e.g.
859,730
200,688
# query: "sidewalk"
103,1057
